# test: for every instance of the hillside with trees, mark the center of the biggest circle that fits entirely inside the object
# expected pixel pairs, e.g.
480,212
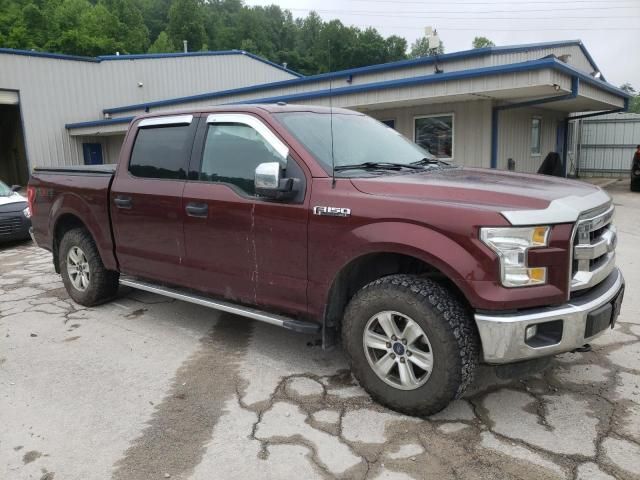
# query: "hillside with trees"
102,27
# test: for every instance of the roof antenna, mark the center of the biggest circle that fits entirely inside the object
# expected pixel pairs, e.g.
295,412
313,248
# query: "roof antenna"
333,159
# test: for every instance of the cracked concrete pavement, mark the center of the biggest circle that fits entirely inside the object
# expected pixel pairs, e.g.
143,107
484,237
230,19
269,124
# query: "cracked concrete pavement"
145,387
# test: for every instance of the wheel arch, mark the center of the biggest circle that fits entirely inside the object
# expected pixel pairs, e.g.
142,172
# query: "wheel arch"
70,211
370,266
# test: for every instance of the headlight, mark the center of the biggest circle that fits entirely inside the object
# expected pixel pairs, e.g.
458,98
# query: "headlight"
27,212
512,245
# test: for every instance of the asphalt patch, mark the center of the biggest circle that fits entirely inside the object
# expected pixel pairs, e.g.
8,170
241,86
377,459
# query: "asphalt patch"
175,438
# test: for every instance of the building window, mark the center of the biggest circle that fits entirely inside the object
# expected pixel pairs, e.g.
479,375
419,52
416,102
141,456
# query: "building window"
434,133
92,153
536,134
389,123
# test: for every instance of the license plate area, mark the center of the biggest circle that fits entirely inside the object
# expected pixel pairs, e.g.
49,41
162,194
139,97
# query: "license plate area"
604,316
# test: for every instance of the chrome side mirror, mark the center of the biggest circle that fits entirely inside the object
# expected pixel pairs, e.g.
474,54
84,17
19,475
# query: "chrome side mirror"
267,176
268,183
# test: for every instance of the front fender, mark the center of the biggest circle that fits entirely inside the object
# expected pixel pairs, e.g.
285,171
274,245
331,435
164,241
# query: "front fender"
457,259
448,256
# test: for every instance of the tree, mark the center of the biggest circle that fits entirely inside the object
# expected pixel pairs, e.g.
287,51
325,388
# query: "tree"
634,101
420,48
98,27
482,42
162,44
186,22
396,48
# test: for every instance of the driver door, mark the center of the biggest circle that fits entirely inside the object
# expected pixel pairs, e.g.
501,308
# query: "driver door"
239,246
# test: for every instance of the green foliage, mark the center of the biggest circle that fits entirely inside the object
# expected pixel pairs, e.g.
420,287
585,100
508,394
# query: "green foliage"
162,44
420,48
103,27
634,102
482,42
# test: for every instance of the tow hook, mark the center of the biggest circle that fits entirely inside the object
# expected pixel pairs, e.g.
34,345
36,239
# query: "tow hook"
585,348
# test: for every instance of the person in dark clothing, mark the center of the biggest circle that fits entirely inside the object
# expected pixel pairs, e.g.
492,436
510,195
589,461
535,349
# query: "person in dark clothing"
552,165
635,171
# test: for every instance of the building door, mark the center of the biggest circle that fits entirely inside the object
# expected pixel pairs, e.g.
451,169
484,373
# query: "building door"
92,153
14,169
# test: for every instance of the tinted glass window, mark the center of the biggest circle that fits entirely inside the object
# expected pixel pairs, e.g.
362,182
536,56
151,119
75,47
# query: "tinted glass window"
352,138
435,134
161,152
232,152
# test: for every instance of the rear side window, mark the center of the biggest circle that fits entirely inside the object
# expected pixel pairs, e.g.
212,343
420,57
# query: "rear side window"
162,152
232,151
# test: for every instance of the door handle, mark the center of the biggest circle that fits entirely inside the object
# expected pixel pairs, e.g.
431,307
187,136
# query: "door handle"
122,201
197,210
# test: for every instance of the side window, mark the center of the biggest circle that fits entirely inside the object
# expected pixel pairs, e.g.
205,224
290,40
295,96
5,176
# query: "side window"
536,133
232,151
162,152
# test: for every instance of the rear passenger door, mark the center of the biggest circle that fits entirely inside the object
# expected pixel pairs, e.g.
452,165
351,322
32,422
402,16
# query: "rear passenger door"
240,246
146,199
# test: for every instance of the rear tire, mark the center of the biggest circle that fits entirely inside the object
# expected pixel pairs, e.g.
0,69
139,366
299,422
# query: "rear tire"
84,275
433,329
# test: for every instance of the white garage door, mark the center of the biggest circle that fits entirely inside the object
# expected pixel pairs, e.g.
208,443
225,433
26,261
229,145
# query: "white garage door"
8,97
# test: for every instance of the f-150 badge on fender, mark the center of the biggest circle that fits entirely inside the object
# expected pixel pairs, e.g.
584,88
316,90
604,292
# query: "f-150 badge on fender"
332,211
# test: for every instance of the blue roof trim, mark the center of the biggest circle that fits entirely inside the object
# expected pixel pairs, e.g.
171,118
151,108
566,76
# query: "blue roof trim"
441,77
423,80
99,123
352,71
144,56
57,56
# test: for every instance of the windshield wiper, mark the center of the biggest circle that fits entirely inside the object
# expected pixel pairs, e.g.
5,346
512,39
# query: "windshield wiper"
431,161
378,166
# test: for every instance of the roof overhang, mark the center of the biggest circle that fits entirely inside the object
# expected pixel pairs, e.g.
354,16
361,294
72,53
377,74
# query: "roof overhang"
510,83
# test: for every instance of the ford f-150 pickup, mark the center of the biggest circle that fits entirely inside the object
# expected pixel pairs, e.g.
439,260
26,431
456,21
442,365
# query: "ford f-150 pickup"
329,222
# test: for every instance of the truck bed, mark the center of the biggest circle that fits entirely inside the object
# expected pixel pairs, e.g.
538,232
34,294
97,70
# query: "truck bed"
73,195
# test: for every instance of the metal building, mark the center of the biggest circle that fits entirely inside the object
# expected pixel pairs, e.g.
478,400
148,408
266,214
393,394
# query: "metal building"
40,93
604,146
488,107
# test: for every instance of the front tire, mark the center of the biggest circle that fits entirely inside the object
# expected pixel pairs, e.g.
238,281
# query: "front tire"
85,277
410,343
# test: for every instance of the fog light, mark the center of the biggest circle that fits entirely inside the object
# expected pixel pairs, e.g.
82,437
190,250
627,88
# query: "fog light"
530,332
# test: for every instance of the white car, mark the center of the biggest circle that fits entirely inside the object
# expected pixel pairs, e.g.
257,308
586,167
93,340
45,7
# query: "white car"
15,216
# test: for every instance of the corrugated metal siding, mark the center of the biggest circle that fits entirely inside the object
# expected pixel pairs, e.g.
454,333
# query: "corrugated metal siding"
54,92
418,93
605,145
514,137
577,59
472,127
590,91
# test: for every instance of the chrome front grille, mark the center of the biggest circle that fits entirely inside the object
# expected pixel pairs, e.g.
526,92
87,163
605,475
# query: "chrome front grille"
594,245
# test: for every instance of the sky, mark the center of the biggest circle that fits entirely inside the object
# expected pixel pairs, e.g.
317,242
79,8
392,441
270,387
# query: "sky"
610,29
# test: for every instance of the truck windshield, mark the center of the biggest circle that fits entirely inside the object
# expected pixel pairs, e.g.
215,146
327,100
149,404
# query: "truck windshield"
358,140
5,191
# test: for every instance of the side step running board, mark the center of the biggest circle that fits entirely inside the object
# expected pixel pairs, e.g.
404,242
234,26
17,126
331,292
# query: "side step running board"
186,296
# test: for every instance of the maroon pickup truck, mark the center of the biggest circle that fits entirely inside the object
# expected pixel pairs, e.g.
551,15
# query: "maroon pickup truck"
329,222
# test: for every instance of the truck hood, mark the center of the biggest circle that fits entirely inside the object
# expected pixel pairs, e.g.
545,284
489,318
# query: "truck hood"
520,198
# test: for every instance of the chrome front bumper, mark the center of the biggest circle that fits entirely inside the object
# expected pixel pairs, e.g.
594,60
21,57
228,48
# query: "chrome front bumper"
571,325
